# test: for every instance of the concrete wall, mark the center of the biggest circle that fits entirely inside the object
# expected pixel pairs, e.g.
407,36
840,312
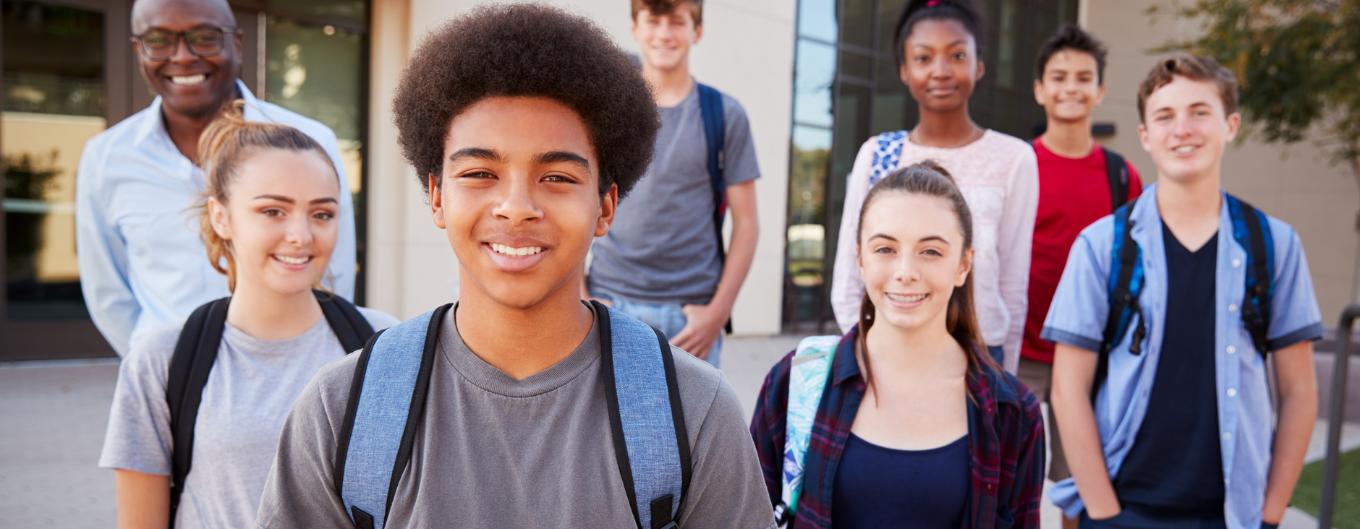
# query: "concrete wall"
1295,183
747,51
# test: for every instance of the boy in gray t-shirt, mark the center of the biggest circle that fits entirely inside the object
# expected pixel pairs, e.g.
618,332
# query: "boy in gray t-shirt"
661,262
526,126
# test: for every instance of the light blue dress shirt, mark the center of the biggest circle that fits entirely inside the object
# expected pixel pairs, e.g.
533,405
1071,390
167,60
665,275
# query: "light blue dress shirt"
137,229
1245,416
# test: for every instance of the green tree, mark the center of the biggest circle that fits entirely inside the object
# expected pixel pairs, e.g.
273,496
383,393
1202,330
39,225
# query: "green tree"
1298,63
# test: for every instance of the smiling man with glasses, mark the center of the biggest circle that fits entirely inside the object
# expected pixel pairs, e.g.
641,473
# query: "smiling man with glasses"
141,261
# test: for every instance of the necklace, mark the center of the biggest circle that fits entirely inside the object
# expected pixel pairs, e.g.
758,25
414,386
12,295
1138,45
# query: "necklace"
972,137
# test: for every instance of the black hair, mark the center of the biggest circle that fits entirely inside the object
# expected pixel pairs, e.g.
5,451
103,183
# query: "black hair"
1072,37
915,11
527,50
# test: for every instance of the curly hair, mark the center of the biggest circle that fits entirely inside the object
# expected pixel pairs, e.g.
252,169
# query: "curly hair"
527,50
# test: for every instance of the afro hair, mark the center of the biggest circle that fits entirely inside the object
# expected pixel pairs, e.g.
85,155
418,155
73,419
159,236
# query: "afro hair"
527,50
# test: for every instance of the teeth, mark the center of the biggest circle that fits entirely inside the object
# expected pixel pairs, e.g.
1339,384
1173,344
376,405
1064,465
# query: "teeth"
184,80
293,260
1185,150
905,298
516,252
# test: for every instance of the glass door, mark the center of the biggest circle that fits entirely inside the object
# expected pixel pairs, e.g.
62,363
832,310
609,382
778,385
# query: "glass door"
57,95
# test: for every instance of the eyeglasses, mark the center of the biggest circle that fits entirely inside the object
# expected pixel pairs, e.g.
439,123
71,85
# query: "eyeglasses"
203,41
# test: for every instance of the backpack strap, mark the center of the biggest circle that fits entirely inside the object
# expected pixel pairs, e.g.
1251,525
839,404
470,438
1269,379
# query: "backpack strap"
1125,285
653,454
810,369
348,324
386,402
195,353
887,152
1117,173
1251,229
715,137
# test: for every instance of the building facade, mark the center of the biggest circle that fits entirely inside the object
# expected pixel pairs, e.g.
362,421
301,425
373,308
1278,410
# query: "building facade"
817,78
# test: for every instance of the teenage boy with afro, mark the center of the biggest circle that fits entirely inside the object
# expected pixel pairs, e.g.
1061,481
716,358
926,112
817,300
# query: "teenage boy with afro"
663,262
527,126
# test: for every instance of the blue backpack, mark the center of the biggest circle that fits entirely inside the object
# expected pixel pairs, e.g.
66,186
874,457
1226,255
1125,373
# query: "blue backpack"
391,385
1250,228
808,372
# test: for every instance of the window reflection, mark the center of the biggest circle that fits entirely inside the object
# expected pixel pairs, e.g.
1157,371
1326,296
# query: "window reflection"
53,103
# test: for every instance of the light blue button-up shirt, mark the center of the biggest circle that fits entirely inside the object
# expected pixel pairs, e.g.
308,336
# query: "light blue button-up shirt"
1245,416
137,229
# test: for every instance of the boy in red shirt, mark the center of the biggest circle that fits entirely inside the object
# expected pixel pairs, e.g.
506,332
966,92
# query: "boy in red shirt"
1076,179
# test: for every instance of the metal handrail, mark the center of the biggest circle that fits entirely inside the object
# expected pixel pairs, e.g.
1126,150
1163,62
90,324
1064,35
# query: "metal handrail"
1331,470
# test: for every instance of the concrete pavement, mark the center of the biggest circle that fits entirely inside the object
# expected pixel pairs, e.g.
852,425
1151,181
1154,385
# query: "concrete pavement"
56,413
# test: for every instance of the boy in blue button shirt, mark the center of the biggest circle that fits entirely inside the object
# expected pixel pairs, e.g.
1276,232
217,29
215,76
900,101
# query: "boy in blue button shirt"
1181,432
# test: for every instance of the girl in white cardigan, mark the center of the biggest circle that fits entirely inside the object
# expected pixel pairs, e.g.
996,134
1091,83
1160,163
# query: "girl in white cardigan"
938,57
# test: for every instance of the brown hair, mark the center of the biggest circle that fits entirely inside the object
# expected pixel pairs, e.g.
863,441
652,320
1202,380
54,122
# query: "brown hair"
665,7
1195,68
930,179
224,145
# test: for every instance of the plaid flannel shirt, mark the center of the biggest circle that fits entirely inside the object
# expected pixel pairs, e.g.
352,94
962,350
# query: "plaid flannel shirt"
1005,443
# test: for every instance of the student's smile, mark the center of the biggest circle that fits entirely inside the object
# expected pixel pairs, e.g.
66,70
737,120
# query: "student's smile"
515,254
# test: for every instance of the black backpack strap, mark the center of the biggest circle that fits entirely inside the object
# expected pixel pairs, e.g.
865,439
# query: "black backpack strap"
1117,173
349,325
715,138
1126,276
195,353
1251,230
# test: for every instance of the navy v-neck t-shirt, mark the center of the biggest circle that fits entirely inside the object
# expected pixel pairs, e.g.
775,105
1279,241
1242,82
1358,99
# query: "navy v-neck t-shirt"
1175,465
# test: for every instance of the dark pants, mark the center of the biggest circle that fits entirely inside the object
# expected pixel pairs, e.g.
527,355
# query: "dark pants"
1134,518
998,354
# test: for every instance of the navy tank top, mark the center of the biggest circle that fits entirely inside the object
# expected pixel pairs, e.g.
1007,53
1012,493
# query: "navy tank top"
911,489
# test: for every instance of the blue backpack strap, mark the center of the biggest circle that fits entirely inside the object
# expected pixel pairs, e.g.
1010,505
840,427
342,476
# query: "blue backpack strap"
386,402
715,137
1124,287
1251,229
648,427
887,152
811,366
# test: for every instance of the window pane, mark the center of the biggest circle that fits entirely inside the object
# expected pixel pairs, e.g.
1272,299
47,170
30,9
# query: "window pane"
318,72
856,65
857,25
814,74
53,103
353,13
807,222
817,19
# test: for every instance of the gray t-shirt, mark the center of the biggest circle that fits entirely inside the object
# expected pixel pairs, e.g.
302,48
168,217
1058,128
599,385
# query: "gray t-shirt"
252,386
495,452
662,248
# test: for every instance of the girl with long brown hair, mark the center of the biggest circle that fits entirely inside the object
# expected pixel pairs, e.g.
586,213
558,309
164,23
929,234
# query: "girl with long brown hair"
269,222
917,425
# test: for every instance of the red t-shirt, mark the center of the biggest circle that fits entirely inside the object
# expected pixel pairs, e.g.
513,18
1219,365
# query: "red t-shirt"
1073,193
